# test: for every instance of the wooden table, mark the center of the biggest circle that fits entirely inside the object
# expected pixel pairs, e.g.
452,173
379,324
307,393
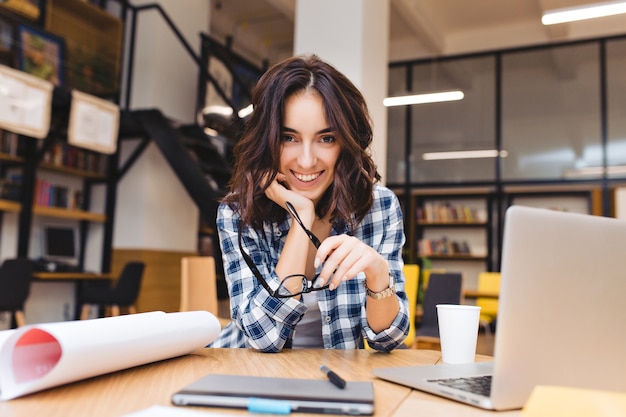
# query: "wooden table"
138,388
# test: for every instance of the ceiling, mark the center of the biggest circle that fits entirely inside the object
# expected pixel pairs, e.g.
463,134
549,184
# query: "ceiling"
263,29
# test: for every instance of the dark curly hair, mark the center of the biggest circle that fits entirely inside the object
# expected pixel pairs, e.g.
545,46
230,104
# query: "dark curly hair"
257,153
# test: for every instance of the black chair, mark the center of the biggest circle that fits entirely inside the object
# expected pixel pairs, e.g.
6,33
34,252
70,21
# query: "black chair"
123,294
15,278
443,288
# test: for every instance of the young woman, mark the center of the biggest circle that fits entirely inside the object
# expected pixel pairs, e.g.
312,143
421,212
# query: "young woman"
311,244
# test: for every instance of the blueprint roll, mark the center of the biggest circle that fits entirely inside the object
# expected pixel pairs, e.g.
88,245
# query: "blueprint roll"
41,356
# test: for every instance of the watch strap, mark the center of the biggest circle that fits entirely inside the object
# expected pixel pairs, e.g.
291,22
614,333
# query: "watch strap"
387,292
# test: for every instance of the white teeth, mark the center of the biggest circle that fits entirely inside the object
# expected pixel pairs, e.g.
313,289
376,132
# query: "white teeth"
308,177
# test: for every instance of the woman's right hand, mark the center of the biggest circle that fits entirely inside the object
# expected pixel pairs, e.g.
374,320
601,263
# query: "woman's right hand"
280,194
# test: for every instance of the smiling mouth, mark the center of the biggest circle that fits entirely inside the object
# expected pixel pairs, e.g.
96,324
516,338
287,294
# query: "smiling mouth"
307,177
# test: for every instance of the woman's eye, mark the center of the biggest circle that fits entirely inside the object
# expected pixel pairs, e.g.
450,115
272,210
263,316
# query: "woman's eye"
327,139
288,138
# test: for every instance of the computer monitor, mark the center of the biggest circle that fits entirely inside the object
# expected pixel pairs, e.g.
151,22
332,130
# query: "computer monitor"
59,243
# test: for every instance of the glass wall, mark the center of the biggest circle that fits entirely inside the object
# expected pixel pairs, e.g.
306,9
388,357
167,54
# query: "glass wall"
551,112
616,107
542,107
396,128
468,124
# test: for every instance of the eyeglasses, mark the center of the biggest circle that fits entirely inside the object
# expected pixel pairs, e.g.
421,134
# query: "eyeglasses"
291,285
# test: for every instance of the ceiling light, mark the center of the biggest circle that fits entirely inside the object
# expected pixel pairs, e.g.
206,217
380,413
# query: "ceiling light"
424,98
245,111
571,14
596,171
487,153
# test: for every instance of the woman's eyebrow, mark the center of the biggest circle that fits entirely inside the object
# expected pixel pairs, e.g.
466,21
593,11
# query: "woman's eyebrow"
290,130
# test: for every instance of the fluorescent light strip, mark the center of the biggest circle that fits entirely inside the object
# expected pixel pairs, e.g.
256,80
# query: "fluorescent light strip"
595,171
571,14
487,153
424,98
245,111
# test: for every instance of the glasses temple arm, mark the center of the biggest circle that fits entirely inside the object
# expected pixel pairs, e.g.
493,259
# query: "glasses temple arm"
253,267
295,215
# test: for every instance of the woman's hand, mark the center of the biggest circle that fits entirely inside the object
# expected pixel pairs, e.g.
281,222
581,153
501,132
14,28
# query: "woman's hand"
346,256
280,194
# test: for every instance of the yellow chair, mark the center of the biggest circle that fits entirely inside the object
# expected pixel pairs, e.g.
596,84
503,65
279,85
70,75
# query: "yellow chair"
198,286
426,276
411,276
488,282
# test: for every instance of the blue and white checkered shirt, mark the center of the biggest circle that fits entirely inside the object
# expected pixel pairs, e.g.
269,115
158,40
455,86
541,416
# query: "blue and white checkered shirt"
265,323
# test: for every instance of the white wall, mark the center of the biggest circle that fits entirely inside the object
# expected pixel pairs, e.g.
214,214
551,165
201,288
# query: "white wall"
165,76
153,209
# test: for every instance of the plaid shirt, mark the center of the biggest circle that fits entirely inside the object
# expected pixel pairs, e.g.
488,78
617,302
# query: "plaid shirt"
265,323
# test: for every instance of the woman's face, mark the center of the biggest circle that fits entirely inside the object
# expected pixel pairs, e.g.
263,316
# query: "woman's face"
309,147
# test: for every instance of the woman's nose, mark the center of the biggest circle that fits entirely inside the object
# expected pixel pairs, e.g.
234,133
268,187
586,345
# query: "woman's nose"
306,159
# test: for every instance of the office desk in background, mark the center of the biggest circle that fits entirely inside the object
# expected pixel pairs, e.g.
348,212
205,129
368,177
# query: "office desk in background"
70,276
135,389
54,295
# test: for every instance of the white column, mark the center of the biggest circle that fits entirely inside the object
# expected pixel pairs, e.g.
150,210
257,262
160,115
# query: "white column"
352,35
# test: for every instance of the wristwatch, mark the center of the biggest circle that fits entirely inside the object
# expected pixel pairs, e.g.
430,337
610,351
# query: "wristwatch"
387,292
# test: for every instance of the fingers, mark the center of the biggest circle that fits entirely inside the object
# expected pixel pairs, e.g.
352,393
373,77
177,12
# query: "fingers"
345,256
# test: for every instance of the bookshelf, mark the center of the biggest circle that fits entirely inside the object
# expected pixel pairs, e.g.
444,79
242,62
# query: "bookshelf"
452,228
11,156
439,216
580,198
43,180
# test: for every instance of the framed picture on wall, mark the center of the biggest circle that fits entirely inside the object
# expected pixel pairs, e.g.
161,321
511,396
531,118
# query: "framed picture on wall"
28,8
94,123
41,54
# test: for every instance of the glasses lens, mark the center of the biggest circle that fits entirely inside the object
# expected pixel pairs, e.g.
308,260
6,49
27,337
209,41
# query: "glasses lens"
292,285
318,283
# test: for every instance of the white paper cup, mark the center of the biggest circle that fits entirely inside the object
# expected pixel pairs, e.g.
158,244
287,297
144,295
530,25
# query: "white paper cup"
458,332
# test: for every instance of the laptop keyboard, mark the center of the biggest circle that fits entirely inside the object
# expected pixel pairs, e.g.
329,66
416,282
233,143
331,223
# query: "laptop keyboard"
480,385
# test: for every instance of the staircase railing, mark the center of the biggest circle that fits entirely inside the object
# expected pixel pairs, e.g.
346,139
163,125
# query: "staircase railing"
128,8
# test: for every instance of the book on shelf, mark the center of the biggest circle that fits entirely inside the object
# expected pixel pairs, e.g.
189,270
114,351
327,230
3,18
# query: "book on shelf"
445,212
41,356
10,143
50,195
11,187
65,155
443,246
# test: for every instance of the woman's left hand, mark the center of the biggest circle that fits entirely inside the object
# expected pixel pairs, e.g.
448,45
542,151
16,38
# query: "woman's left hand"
346,256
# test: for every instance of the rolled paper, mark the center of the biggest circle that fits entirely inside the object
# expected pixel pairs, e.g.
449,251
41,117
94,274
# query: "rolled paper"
41,356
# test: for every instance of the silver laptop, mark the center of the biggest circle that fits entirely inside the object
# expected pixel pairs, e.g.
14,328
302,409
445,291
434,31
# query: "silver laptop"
561,318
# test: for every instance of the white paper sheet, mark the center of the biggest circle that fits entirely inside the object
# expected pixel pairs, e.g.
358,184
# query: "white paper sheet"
166,411
41,356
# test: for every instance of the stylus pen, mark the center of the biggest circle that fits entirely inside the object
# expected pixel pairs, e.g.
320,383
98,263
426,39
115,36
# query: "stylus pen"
337,381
